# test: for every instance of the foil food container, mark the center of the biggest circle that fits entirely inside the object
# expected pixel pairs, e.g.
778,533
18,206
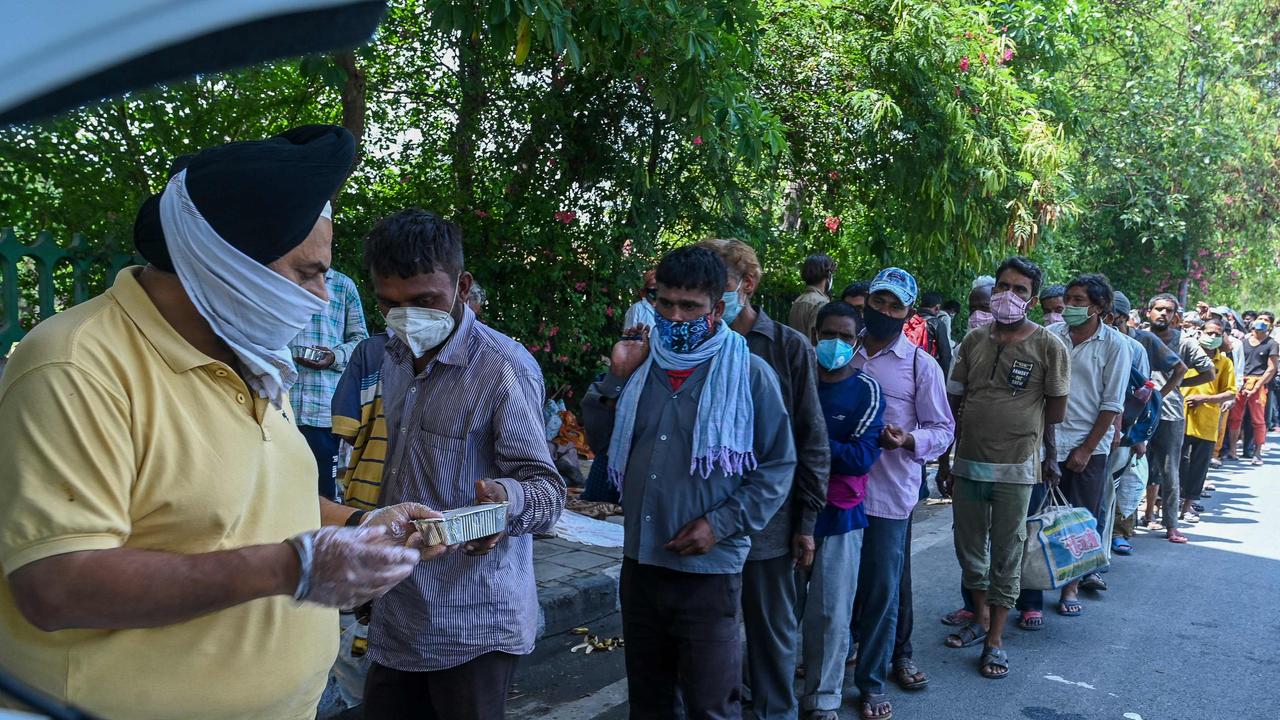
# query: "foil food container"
464,524
312,354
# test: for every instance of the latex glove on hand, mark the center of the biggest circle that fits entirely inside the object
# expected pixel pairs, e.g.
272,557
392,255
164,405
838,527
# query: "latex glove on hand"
351,566
398,521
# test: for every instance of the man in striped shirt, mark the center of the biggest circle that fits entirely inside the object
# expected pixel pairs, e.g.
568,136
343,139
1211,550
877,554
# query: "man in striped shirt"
463,406
334,334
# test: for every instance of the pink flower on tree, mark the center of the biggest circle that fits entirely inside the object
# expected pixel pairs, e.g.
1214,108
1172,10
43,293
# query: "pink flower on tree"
1203,252
697,140
608,311
833,223
532,348
481,214
833,176
566,216
964,64
1008,55
982,57
580,286
554,331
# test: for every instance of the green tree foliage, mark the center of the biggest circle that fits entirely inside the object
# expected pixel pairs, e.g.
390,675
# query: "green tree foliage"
574,141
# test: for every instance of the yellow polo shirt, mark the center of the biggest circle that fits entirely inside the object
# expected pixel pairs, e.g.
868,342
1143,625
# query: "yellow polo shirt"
1202,421
116,432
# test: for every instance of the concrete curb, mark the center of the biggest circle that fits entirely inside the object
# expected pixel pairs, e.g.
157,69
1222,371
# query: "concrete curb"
576,600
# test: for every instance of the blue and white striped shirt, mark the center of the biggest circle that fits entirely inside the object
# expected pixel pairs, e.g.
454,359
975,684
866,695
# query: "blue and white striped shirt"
474,413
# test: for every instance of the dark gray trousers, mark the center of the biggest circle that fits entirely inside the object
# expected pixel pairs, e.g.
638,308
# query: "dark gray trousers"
769,617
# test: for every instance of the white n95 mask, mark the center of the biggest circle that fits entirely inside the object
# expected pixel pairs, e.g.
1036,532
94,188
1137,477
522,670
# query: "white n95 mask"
422,329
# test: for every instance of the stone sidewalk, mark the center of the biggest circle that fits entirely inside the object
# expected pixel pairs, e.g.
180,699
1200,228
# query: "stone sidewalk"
577,584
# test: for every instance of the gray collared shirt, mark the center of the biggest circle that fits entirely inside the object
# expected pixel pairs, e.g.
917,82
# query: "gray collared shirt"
474,413
1099,379
660,493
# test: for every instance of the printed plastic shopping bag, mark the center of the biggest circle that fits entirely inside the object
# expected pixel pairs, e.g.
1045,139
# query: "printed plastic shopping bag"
1062,544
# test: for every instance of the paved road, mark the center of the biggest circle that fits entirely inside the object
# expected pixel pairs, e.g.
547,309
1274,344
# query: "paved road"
1184,633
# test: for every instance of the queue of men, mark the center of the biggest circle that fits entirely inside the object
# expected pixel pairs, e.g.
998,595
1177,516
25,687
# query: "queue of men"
173,444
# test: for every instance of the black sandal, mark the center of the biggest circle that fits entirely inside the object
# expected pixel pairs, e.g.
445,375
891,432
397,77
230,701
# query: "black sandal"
967,636
993,657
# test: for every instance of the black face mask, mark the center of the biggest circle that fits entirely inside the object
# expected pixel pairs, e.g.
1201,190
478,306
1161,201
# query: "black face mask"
879,325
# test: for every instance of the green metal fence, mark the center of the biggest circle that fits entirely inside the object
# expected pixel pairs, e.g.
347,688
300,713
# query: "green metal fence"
45,277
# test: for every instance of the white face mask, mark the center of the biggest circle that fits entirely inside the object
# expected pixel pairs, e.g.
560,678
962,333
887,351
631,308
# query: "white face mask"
254,309
422,329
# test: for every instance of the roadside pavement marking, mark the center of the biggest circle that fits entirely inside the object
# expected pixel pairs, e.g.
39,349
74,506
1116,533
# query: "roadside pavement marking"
1065,682
597,703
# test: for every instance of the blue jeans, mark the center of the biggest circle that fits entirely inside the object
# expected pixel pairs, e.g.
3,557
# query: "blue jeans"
880,571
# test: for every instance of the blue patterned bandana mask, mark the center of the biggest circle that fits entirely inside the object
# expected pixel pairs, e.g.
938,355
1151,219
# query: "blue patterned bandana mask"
683,337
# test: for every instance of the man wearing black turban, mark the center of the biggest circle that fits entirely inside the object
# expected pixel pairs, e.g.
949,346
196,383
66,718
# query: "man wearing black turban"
152,470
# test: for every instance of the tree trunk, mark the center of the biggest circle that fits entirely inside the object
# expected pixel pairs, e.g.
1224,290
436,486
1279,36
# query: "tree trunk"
354,98
471,86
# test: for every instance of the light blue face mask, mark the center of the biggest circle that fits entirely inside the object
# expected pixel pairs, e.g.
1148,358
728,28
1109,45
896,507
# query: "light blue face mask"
732,304
834,353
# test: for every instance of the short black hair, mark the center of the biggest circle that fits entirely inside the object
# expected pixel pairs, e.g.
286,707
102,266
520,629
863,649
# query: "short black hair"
1222,324
1269,314
1177,306
413,242
1195,322
839,308
1053,291
1023,266
862,288
951,306
1249,312
1097,287
694,268
931,299
817,268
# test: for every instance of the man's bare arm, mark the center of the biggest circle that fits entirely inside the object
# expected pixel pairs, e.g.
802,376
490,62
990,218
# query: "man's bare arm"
1204,376
1270,374
1174,380
129,588
331,513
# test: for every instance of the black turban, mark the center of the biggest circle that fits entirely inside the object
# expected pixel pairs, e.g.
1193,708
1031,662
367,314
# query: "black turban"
263,196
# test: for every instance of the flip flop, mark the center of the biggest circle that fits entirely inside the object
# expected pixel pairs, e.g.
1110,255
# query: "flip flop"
903,673
1178,539
994,657
1070,608
1031,620
1094,582
1120,546
871,702
969,635
958,618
